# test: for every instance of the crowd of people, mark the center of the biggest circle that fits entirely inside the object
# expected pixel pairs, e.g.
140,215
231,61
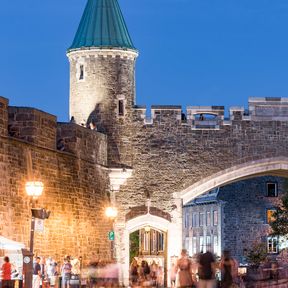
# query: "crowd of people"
183,273
145,275
186,274
69,274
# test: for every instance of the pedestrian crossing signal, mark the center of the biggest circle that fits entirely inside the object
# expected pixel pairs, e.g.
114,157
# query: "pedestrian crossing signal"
111,235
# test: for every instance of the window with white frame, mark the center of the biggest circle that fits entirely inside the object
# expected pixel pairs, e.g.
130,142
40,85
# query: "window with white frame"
186,221
201,219
271,189
272,244
195,220
208,218
215,217
194,245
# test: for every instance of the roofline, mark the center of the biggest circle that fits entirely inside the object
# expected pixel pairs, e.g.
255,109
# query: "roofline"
110,48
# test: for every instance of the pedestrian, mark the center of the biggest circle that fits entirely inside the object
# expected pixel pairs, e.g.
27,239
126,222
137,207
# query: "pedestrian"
173,275
146,270
36,273
43,272
184,268
134,272
154,271
160,277
206,270
51,271
229,270
93,273
66,272
6,273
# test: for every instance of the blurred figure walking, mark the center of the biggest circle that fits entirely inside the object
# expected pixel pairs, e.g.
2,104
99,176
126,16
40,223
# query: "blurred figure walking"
229,270
184,267
206,270
6,273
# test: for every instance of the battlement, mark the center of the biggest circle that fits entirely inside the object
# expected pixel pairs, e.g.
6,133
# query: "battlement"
268,108
213,117
32,125
41,129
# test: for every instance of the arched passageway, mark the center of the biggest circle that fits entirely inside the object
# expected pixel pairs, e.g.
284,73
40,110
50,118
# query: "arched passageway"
173,229
269,166
172,242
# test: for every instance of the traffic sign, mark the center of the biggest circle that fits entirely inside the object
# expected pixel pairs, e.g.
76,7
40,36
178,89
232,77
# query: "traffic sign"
111,235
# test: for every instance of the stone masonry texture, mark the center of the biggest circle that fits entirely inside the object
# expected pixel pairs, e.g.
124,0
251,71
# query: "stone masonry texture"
75,184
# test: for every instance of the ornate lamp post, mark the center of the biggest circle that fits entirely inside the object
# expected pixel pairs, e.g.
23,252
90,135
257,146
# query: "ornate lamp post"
33,189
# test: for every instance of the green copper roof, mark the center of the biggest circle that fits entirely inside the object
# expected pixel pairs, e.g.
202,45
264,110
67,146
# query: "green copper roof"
102,26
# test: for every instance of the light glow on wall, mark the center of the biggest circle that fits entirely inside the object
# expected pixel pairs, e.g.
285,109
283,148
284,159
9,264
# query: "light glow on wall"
111,212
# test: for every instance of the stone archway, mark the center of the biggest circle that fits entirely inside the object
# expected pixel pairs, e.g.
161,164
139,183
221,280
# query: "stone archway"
273,166
174,239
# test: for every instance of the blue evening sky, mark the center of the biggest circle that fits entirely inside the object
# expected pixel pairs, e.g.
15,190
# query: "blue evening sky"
192,52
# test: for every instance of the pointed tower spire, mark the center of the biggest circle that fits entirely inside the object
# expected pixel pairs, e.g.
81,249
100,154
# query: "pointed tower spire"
102,26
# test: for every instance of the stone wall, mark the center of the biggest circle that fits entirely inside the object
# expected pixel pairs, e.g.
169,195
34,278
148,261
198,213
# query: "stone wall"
32,125
244,214
75,182
168,156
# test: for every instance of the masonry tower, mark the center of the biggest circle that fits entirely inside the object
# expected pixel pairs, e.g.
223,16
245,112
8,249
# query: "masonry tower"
102,67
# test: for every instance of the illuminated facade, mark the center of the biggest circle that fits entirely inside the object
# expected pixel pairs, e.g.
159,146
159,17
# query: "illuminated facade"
233,217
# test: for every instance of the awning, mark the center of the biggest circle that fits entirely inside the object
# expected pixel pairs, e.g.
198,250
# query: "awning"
7,244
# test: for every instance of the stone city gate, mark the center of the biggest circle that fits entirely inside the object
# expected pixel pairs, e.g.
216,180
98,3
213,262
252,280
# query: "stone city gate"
176,161
172,156
272,166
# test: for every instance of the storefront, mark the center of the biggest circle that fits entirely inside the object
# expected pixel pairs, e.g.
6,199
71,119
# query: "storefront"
13,250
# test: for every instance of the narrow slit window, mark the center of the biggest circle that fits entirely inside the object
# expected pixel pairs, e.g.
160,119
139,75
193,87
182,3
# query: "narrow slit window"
121,107
81,76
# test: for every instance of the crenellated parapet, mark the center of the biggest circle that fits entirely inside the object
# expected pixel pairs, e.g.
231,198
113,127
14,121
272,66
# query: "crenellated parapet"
32,125
42,130
213,117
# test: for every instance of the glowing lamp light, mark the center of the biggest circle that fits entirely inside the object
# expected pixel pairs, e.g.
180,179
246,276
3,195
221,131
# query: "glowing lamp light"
34,188
111,212
147,228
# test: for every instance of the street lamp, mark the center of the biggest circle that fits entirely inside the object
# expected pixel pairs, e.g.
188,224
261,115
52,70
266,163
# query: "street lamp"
111,212
33,189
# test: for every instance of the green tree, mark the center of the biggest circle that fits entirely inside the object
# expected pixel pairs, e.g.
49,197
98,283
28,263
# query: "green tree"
257,254
134,244
280,223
